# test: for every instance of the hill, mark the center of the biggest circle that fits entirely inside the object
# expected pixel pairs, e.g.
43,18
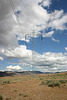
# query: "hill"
7,73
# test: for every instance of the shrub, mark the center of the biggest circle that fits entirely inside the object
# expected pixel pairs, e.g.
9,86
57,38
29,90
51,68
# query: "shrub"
25,95
8,98
43,83
6,82
1,97
57,83
50,83
20,94
41,78
54,83
15,90
62,81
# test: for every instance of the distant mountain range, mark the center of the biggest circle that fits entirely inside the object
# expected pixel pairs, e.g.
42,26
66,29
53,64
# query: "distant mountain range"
7,73
10,73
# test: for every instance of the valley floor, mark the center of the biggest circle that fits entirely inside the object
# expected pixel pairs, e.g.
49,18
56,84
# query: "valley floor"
30,87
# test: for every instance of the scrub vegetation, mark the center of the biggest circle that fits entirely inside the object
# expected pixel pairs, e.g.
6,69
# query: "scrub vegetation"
34,87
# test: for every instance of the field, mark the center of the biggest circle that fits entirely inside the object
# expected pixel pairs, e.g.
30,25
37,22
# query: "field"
34,87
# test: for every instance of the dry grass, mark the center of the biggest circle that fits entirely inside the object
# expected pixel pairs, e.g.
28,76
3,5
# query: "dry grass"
29,88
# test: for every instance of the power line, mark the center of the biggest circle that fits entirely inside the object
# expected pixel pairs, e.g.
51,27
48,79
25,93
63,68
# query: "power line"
53,8
13,8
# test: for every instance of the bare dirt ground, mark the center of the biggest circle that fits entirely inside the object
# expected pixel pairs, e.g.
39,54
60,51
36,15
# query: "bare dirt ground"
29,87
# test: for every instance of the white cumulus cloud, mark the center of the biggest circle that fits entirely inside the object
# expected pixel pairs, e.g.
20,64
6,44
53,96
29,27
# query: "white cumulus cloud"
55,40
46,3
18,52
25,17
66,48
48,61
13,68
1,58
21,17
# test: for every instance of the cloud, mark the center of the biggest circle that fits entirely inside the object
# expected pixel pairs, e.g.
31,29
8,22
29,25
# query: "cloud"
14,68
66,48
7,25
1,58
57,14
32,19
58,20
55,40
49,34
18,52
46,3
48,61
5,9
18,18
51,62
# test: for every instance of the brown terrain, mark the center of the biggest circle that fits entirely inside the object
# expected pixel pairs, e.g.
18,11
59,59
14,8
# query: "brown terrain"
31,87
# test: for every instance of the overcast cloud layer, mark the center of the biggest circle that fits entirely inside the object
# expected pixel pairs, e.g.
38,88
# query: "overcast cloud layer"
19,18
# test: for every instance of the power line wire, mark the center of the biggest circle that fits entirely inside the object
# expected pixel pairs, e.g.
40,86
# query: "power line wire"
13,8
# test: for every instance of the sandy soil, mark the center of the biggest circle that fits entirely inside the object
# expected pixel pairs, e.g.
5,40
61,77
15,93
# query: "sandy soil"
29,88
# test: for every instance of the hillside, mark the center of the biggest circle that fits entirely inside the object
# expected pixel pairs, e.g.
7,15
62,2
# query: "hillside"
6,73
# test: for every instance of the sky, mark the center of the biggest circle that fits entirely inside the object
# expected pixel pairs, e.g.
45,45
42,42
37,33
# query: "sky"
33,35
